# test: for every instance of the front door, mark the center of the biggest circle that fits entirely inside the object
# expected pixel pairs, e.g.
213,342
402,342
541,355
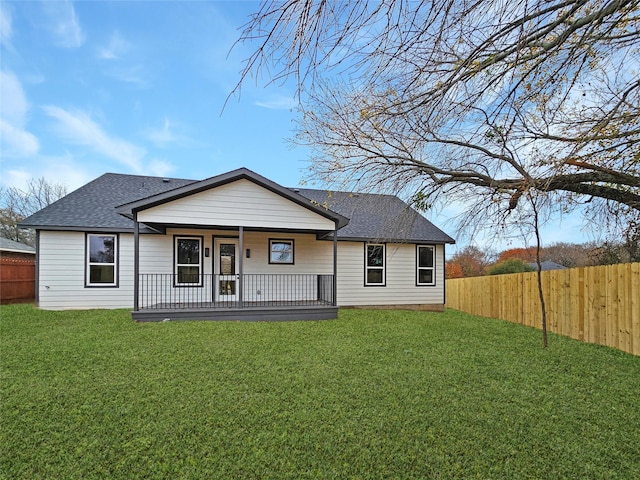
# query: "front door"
226,268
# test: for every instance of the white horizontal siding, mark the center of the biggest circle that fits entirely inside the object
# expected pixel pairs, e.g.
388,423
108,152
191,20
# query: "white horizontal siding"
61,282
400,288
239,203
310,255
62,257
62,266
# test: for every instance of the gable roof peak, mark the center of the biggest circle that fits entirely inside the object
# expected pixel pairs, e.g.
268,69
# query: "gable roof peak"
127,209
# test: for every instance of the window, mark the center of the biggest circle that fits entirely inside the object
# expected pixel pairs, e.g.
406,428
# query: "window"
280,251
188,261
425,270
102,260
375,265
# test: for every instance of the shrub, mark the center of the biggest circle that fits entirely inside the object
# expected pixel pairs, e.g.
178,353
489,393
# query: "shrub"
512,265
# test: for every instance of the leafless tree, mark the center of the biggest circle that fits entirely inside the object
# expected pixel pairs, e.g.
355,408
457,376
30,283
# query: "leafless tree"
475,101
568,254
17,204
472,261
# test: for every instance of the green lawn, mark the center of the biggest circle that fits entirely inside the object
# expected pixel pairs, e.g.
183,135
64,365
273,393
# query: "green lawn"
374,394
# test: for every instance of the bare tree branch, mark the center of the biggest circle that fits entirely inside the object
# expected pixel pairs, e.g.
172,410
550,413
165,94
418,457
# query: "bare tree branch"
465,100
17,204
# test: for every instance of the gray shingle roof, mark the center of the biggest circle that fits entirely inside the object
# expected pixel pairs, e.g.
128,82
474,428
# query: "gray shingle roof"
93,208
377,217
548,265
13,246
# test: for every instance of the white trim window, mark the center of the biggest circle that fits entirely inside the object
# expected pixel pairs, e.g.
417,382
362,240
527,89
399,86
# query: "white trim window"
102,260
374,269
188,261
425,265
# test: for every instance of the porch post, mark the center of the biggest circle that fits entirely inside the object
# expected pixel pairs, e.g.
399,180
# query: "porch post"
37,285
136,261
335,265
240,263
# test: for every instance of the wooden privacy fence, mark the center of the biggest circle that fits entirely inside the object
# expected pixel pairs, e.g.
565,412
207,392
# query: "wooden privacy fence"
17,280
593,304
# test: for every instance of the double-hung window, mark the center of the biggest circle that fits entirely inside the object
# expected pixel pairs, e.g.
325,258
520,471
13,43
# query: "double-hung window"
425,265
188,261
102,260
375,264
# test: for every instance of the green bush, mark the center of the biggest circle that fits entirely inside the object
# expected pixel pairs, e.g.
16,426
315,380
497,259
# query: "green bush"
513,265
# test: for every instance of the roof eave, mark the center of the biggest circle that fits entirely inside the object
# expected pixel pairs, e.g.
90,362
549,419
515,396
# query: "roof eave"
15,250
419,241
76,228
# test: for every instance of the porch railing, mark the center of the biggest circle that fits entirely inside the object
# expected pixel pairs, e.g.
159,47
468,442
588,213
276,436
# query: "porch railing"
165,291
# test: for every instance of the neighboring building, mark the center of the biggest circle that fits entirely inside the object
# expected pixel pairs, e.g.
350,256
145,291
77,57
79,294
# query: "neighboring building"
235,246
17,272
13,249
548,265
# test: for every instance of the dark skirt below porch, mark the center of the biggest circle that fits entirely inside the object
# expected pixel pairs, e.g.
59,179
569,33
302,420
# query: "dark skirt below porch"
234,311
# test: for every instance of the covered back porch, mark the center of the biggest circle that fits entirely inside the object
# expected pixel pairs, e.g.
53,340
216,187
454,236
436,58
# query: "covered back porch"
220,274
234,274
245,265
248,297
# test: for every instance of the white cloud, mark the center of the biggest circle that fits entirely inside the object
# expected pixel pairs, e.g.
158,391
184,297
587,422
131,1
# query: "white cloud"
6,30
62,170
168,133
14,104
115,49
64,24
159,168
119,67
15,178
15,140
278,102
163,135
79,129
134,74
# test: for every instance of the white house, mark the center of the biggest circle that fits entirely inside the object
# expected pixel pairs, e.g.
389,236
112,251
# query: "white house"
233,246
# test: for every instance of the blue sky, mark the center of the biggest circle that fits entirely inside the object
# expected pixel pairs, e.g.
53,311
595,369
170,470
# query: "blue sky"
139,87
136,87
